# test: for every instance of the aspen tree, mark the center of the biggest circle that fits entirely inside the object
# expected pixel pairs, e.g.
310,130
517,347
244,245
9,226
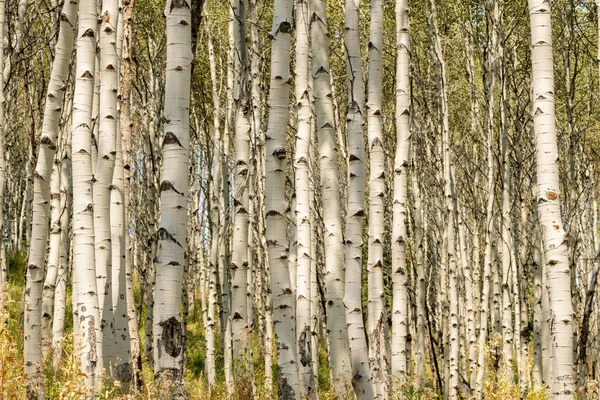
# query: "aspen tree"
126,126
66,206
239,254
53,254
548,196
107,134
302,186
489,228
356,204
399,353
376,303
275,203
41,207
123,368
339,353
88,312
171,255
215,216
449,248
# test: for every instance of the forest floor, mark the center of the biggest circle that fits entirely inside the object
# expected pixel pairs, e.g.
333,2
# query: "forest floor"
67,382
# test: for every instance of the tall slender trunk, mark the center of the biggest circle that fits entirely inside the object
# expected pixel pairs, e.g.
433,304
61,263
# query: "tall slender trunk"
489,81
171,257
105,165
239,254
122,363
41,207
126,125
548,195
53,256
400,321
302,183
276,204
66,206
339,354
376,304
216,213
88,312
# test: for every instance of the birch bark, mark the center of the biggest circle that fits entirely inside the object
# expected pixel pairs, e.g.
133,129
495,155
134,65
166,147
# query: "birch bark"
276,204
171,257
41,208
339,353
400,371
105,165
302,183
376,303
90,335
548,196
239,254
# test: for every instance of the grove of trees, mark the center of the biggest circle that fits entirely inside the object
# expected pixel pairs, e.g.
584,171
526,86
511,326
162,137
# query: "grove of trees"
299,199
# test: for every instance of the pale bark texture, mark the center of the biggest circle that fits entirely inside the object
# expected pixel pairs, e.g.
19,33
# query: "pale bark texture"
216,213
276,204
399,355
359,352
122,361
302,185
89,333
549,201
239,254
171,257
376,303
41,206
339,354
66,207
105,165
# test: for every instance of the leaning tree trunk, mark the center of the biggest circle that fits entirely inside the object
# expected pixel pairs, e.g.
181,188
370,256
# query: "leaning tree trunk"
339,354
276,204
41,205
88,313
399,231
171,257
359,352
549,202
302,184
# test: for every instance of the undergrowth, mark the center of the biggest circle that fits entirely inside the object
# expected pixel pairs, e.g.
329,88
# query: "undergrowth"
67,382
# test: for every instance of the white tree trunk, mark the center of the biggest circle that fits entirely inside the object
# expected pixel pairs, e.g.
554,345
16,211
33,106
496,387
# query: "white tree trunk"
53,255
171,257
548,195
60,295
215,217
276,205
239,255
376,304
87,309
107,133
339,350
400,366
302,186
41,207
122,362
356,204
